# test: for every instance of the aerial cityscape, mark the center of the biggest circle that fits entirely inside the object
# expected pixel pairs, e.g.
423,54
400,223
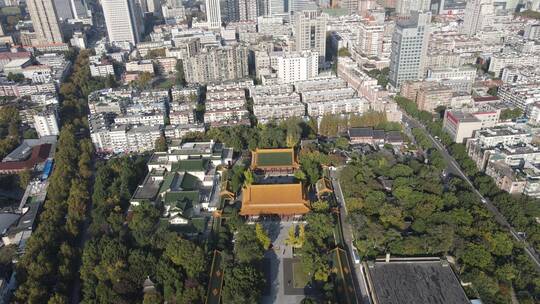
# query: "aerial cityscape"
270,151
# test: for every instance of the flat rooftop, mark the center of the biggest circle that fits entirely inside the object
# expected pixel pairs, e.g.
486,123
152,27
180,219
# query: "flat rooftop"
413,282
506,131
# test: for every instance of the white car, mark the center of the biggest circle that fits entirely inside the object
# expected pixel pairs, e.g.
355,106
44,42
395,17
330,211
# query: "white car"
356,256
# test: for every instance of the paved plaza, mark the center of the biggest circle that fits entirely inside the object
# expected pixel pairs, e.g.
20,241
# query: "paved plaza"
278,262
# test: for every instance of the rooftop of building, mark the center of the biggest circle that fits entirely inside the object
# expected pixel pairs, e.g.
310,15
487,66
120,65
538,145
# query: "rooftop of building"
462,117
39,154
191,165
25,148
282,199
501,131
7,220
26,221
415,281
267,158
149,188
17,62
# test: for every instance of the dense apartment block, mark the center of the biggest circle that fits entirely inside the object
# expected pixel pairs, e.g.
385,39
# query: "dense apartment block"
276,102
523,96
350,71
226,63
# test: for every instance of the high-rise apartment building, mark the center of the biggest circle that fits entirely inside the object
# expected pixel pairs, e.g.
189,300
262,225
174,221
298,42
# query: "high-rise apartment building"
46,122
406,7
213,14
240,10
295,67
365,5
370,36
63,8
350,5
297,6
45,21
478,14
227,63
123,19
275,7
310,32
247,9
409,48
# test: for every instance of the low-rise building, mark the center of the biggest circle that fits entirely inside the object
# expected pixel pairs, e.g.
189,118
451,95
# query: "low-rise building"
140,66
460,125
185,182
460,79
520,95
427,95
374,137
103,69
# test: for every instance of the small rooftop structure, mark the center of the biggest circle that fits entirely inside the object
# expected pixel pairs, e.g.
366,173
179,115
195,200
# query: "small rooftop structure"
280,199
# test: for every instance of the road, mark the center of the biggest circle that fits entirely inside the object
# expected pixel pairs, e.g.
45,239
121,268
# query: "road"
455,169
361,291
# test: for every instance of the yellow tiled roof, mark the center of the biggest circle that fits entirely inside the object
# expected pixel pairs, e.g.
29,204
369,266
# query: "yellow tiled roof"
286,199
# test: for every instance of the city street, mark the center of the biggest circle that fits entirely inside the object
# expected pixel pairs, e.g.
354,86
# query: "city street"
453,167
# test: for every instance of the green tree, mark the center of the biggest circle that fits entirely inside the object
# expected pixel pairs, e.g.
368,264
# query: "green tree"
242,284
152,298
161,144
30,134
18,77
144,80
262,236
186,255
508,114
24,178
344,52
499,244
143,223
320,206
295,236
476,255
180,78
248,177
247,247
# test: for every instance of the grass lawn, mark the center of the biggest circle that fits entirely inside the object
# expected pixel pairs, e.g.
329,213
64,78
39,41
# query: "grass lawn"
300,279
274,159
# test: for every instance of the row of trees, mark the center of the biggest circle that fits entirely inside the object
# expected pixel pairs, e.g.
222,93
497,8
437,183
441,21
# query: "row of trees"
335,125
48,269
422,216
285,134
520,210
9,129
